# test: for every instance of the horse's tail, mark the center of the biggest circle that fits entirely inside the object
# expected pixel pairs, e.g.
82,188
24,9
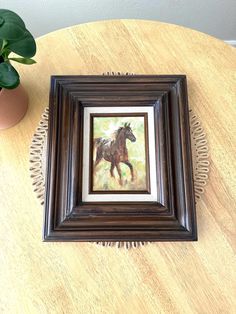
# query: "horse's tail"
97,142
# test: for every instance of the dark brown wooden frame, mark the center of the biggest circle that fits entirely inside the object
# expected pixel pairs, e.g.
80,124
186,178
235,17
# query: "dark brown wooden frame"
67,218
144,115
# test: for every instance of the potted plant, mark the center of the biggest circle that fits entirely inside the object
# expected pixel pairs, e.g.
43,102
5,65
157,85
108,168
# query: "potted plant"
14,37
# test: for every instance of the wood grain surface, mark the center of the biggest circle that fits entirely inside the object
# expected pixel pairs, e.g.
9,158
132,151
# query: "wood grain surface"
197,277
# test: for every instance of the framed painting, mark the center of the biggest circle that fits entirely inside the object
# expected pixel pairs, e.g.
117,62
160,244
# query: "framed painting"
119,162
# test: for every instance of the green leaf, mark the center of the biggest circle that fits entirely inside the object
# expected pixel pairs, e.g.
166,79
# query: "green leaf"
11,25
25,46
9,78
11,16
23,60
11,31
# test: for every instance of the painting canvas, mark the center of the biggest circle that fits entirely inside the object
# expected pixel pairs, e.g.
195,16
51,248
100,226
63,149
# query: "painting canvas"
119,153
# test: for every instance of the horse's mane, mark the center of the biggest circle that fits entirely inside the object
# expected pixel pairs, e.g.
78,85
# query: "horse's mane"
117,132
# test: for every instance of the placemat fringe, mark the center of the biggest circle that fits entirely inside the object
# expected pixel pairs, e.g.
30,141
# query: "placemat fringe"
199,152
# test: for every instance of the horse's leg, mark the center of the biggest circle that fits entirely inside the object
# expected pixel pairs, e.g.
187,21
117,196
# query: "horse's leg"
119,172
112,169
131,169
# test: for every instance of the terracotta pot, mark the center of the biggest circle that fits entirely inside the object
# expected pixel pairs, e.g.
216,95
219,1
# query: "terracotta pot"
13,106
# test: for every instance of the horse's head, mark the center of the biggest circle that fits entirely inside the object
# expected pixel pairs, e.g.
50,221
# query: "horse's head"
128,132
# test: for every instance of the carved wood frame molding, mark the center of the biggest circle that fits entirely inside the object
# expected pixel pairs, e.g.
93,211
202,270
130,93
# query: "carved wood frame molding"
67,218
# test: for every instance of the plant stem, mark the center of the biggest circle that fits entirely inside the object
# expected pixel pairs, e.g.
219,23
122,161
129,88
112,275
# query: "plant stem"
4,44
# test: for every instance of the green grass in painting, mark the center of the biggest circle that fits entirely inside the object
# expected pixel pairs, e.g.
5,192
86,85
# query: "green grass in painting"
105,127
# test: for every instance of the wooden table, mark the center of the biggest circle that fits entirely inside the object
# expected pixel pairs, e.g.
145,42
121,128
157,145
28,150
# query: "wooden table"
195,277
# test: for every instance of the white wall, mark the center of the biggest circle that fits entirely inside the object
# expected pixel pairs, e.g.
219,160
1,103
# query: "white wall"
215,17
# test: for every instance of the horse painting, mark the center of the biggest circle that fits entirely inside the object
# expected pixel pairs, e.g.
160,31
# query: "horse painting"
115,150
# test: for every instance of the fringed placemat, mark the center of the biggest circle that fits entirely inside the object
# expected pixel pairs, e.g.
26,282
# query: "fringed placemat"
199,153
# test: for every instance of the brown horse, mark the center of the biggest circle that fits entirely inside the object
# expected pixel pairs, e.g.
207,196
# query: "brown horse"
115,151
